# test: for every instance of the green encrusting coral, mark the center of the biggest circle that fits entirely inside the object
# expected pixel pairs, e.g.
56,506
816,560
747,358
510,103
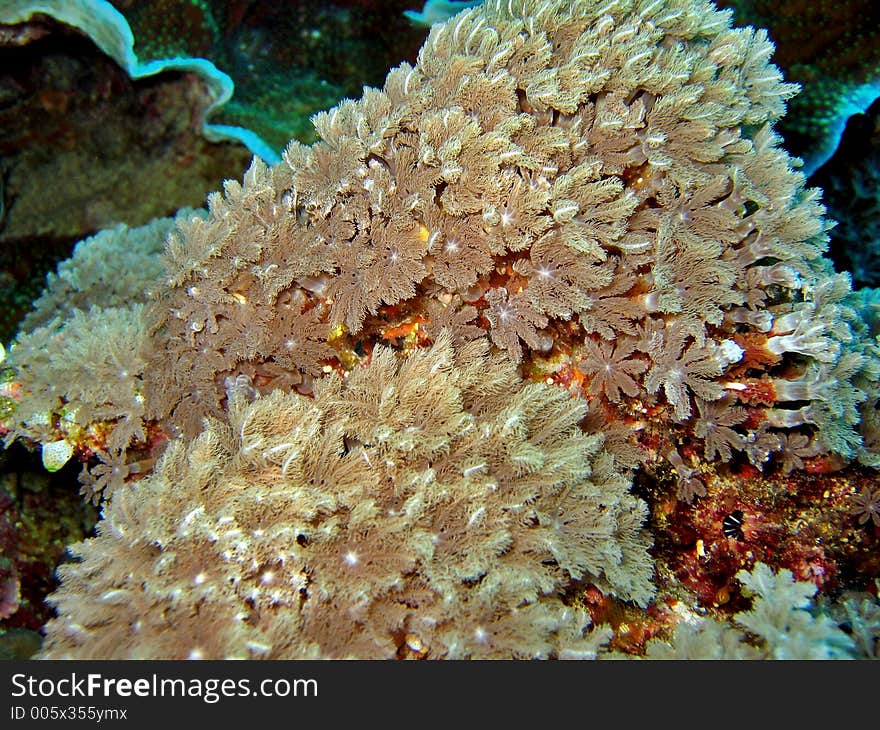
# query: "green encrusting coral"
832,49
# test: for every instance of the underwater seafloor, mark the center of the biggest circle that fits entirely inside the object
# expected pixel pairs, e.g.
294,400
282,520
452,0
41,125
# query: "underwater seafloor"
548,349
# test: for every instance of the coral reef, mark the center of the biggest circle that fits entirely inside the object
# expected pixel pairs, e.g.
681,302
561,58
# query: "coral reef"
102,23
801,521
832,49
558,183
782,623
78,363
113,150
39,516
435,504
122,124
73,115
287,60
368,367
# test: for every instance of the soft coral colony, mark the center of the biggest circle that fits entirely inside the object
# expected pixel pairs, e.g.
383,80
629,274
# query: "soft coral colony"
404,375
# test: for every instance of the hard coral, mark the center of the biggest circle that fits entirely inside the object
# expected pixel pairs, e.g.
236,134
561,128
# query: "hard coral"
831,48
288,60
